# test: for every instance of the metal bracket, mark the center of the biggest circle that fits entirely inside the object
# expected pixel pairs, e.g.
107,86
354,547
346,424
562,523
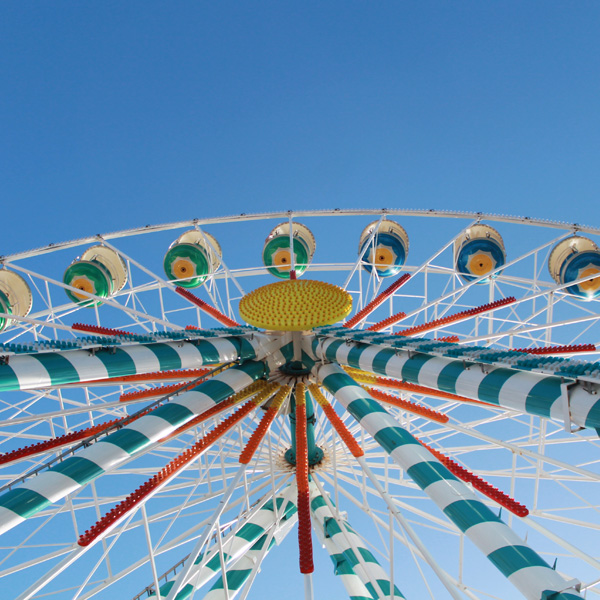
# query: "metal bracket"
565,398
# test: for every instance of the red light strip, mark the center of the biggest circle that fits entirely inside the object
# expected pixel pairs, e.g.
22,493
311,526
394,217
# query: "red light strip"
207,308
379,299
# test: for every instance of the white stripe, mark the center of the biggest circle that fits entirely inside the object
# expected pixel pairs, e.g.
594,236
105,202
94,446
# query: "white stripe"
491,535
104,454
375,422
29,372
514,392
144,359
429,373
409,455
197,402
467,383
152,427
532,581
8,519
51,485
446,491
87,365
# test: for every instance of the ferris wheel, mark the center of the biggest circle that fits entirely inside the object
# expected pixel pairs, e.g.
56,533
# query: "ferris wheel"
389,403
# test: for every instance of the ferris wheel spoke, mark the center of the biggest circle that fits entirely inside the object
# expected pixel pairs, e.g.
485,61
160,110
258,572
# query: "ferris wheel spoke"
523,567
524,391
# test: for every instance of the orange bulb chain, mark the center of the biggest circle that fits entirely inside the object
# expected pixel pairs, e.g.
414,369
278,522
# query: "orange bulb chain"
479,484
369,378
335,420
304,522
153,484
558,349
461,316
413,407
207,308
266,421
387,322
379,299
99,330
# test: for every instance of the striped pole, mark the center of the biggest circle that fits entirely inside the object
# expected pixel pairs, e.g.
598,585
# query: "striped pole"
354,563
46,369
107,454
522,566
532,393
255,529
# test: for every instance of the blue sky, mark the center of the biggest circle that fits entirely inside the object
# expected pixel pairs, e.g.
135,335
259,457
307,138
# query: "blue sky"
119,114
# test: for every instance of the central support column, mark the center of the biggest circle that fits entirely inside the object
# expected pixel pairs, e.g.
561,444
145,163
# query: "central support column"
315,454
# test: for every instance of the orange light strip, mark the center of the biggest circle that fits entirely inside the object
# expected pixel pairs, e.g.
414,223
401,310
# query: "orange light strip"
207,308
479,484
335,420
461,316
266,421
379,299
304,522
368,378
413,407
151,486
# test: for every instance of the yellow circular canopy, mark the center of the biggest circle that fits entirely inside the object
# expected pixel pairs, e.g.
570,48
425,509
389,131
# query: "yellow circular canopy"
295,305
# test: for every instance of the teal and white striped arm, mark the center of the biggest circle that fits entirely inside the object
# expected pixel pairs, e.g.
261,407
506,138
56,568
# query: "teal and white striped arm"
523,567
238,545
107,454
356,574
527,392
241,571
46,369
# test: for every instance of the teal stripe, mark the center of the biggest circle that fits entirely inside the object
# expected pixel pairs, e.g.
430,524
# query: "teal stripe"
128,440
287,350
167,356
59,368
552,595
23,502
336,381
386,588
331,352
542,396
331,527
490,386
511,559
593,417
8,380
381,360
390,438
426,473
253,368
117,362
173,413
79,469
354,356
467,513
341,566
361,407
364,553
412,367
215,389
449,374
210,355
246,349
250,532
317,502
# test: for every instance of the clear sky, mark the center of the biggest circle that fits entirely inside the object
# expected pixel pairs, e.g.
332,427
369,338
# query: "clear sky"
118,114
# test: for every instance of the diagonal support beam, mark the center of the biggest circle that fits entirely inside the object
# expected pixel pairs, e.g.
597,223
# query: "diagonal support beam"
522,566
107,454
